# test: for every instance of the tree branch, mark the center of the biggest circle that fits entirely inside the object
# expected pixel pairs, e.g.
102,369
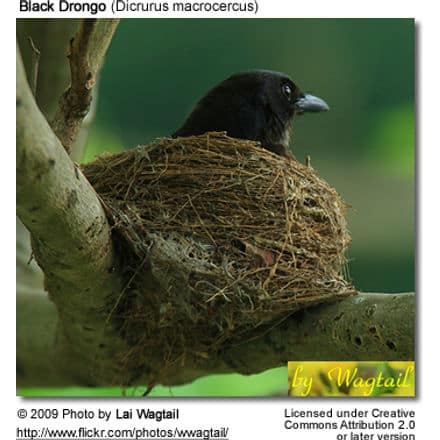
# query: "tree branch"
54,200
35,63
87,51
51,37
366,327
371,326
71,240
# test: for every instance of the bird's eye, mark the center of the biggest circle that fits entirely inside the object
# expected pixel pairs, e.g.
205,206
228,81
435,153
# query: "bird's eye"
287,91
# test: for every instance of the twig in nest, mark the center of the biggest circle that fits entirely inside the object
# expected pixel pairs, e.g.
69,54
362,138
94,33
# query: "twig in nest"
35,65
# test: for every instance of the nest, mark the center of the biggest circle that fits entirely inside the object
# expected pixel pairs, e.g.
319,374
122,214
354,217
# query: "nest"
219,239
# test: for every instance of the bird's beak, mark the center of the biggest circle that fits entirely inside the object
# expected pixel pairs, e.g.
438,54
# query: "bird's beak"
310,103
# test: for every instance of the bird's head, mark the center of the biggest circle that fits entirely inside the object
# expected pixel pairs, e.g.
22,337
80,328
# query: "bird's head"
279,99
285,98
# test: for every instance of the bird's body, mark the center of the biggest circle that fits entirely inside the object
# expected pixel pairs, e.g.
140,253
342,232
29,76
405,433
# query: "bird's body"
257,105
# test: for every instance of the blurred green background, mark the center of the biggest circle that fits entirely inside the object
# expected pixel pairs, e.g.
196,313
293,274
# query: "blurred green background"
157,69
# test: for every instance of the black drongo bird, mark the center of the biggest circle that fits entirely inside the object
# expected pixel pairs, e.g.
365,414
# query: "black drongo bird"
257,105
